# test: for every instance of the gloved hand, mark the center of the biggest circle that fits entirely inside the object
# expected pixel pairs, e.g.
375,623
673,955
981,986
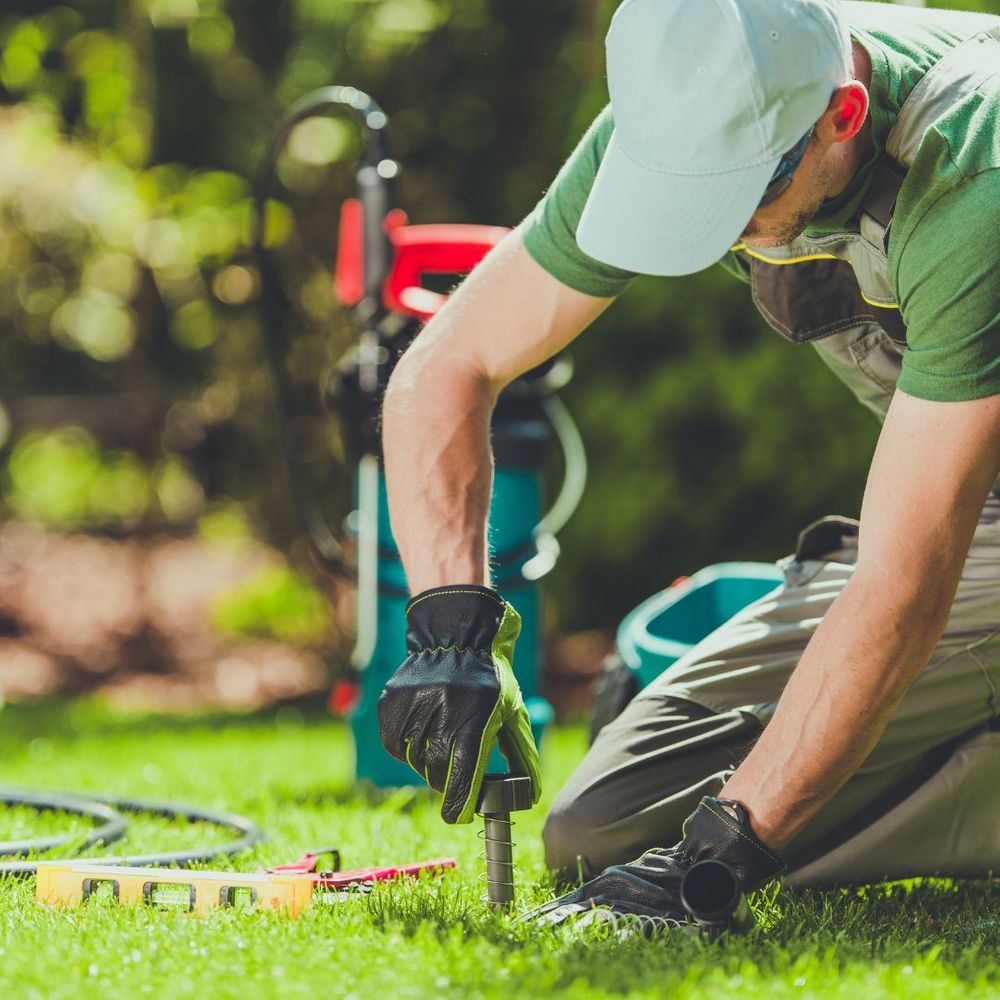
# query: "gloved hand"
646,893
456,695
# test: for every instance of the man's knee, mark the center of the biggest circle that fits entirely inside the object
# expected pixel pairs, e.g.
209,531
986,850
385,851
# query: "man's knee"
569,837
586,831
642,777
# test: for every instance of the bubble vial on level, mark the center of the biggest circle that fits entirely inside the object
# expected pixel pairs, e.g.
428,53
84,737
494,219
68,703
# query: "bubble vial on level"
238,897
100,889
170,895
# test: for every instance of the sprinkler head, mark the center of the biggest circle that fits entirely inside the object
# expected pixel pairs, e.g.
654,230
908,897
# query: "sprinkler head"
505,793
501,795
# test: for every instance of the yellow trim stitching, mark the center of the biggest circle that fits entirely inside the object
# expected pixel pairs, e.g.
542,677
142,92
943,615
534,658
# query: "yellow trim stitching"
776,260
442,593
743,248
879,305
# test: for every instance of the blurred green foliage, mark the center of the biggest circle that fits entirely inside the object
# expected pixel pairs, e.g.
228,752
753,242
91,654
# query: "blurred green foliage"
133,389
277,603
64,480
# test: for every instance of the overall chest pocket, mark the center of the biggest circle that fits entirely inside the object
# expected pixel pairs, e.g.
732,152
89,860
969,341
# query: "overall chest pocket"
813,299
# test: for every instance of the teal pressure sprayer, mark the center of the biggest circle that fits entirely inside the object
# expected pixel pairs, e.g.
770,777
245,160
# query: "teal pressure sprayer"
382,267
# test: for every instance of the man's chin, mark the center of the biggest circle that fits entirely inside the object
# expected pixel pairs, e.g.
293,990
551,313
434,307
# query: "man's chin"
762,236
767,240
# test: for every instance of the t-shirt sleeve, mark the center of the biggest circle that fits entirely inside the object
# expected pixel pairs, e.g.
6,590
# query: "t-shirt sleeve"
949,294
549,232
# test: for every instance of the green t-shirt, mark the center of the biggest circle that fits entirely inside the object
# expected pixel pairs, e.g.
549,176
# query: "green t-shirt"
944,265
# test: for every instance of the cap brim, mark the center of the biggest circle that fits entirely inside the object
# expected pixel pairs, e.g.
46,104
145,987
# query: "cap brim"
667,224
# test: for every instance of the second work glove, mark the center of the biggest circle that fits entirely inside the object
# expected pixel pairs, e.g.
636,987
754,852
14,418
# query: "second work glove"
455,696
645,895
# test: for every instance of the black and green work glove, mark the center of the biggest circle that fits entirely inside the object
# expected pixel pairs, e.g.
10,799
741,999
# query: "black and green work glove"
455,696
646,894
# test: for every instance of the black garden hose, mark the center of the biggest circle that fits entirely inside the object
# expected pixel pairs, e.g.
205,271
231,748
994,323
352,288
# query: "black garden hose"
113,826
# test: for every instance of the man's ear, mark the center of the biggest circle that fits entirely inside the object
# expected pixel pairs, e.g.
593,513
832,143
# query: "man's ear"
846,113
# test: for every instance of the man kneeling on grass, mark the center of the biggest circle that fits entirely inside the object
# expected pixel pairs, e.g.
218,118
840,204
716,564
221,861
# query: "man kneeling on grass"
842,159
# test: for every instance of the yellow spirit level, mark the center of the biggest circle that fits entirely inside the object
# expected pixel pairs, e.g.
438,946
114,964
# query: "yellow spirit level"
288,889
169,888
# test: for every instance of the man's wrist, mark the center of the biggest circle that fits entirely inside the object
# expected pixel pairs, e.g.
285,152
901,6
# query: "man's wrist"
472,590
722,830
465,561
730,807
768,833
770,838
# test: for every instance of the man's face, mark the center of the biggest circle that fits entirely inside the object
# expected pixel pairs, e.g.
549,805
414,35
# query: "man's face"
787,216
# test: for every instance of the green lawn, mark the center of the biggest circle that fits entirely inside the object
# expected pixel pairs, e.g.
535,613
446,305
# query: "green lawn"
293,776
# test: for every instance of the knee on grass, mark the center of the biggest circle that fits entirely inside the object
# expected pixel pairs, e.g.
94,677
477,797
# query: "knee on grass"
576,846
584,834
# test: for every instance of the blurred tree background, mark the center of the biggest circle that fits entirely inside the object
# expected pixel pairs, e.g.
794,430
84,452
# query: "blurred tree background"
134,397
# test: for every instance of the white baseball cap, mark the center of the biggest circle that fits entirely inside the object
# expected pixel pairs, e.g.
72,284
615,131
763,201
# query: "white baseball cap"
707,96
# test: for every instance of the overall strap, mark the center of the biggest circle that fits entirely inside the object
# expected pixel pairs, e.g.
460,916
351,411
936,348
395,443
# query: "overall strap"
880,202
962,69
958,73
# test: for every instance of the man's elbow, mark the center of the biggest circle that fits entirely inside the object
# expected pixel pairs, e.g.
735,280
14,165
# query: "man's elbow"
429,372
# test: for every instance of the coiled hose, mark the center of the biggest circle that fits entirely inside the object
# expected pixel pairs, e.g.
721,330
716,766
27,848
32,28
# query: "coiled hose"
110,826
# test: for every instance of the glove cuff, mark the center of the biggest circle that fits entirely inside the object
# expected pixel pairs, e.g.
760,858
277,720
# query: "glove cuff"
462,616
458,590
712,833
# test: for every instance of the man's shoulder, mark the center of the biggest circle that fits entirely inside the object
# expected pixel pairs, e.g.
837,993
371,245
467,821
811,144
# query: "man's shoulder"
905,43
970,129
954,178
549,232
942,207
943,129
901,21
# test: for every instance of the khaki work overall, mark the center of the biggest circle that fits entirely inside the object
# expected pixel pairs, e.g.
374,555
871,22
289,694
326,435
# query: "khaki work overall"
927,799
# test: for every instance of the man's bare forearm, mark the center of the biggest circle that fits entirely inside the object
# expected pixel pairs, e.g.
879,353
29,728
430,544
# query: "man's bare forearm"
508,316
931,473
439,470
854,672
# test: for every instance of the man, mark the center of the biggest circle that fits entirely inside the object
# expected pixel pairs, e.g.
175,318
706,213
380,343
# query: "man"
843,159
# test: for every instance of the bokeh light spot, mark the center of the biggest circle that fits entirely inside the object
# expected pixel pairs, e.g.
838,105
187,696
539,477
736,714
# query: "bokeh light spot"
114,273
179,493
160,243
211,37
172,13
319,141
99,324
193,326
41,288
235,284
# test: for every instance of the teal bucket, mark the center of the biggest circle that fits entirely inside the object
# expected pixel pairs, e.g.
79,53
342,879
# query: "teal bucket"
657,633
